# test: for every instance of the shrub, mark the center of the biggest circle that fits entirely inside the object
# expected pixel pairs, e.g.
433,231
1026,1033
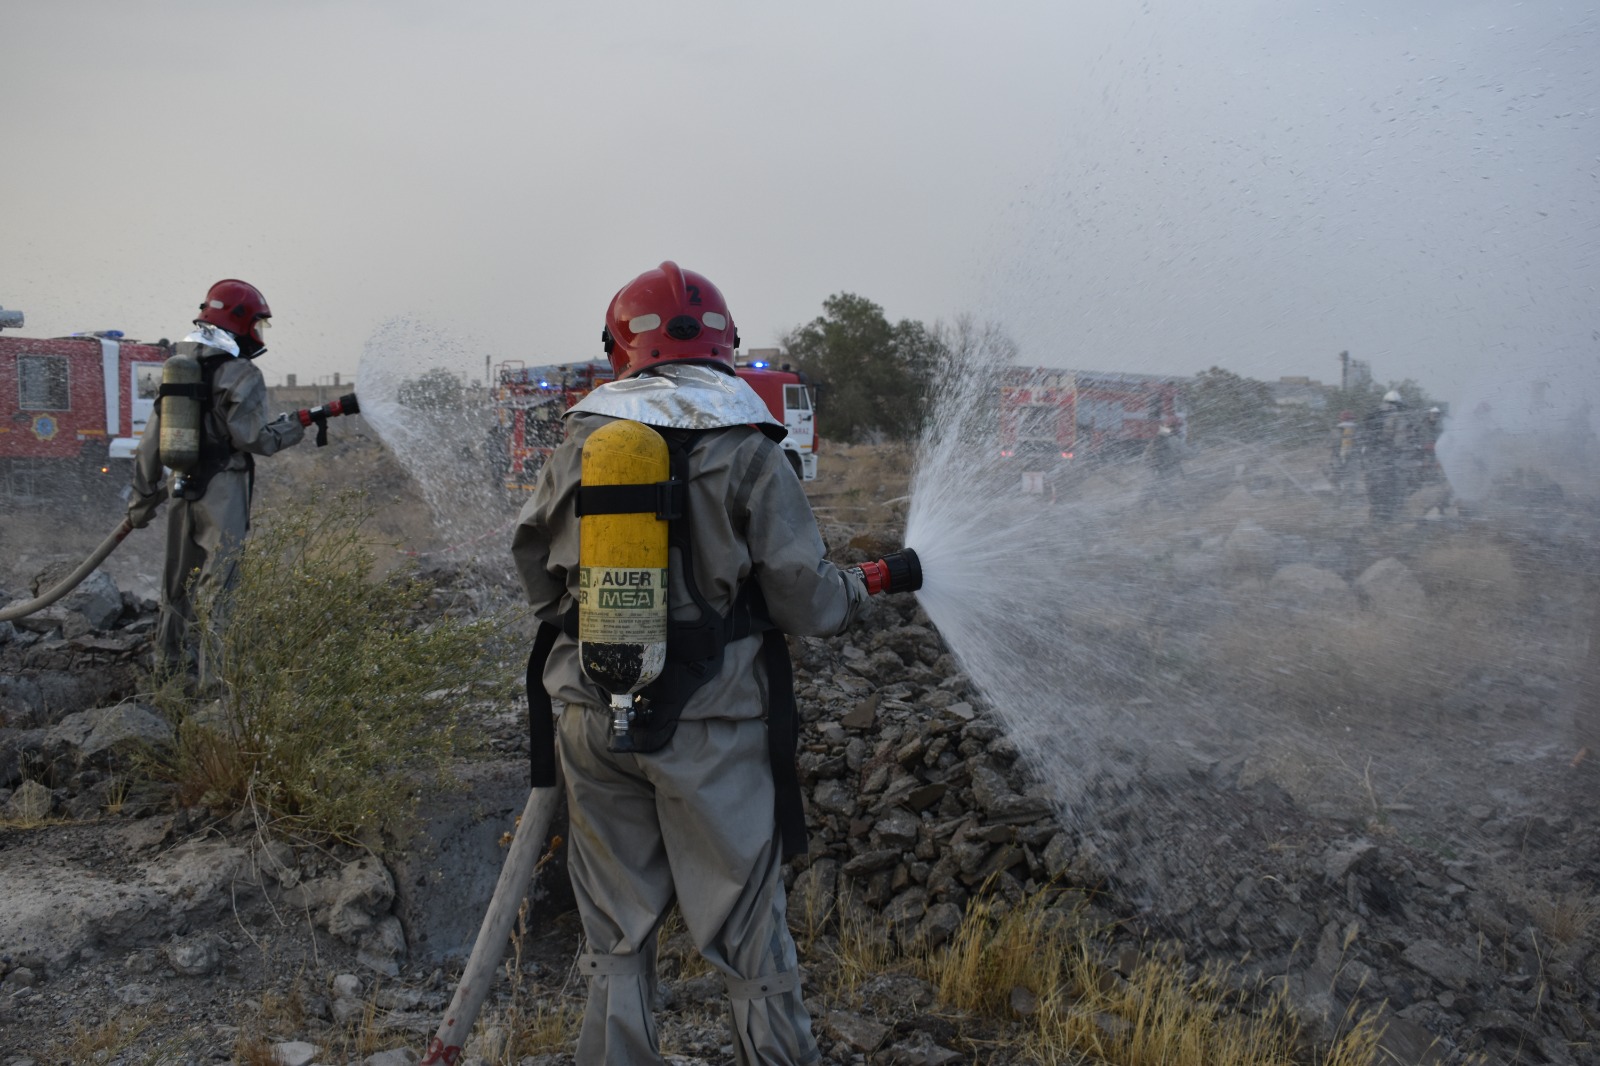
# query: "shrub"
338,704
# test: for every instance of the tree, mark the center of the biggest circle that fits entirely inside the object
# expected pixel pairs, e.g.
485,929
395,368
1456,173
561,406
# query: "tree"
1225,406
436,390
872,377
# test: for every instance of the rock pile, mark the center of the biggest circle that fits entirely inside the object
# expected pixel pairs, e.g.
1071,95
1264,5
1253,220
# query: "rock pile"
918,801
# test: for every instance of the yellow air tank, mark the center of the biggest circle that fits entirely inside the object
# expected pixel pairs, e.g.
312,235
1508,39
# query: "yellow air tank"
622,576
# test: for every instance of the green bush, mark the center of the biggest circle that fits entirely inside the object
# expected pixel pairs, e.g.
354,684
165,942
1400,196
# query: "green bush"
339,704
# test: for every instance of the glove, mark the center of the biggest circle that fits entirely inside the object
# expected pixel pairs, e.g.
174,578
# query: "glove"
143,509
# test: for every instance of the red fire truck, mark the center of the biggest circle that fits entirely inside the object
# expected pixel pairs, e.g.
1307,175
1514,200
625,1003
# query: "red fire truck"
1050,415
71,407
529,401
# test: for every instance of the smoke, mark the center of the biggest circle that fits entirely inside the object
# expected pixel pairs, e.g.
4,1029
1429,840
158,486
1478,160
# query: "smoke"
1545,435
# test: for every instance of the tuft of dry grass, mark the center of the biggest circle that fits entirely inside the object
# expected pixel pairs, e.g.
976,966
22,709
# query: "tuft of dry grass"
532,1022
30,807
99,1040
1081,1000
861,947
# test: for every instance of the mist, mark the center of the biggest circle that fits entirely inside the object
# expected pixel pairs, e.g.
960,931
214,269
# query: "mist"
1159,189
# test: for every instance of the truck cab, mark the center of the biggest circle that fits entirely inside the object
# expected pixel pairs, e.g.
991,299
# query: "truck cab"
73,406
787,394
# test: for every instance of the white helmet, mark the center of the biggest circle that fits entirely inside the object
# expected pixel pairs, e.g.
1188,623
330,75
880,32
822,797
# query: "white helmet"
1393,396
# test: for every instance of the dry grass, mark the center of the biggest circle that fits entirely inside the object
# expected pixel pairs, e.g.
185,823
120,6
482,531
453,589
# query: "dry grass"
1475,578
676,955
1347,667
532,1022
30,808
100,1040
1078,1000
858,484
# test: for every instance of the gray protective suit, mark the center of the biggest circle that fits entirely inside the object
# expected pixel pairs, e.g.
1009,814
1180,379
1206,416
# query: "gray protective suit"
204,535
693,821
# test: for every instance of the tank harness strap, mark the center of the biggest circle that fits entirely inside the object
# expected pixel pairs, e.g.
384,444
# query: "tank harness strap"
596,964
783,744
774,984
216,450
198,390
665,499
541,715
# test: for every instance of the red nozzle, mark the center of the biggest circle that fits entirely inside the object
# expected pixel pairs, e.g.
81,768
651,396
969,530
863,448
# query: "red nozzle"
899,571
876,575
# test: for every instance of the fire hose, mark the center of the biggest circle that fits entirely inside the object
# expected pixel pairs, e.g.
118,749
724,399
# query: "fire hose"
515,877
318,416
72,580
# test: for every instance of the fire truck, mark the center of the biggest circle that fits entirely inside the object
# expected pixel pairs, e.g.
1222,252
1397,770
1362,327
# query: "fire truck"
72,407
1049,415
529,401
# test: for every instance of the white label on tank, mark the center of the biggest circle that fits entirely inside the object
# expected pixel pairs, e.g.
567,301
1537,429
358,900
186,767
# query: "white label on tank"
622,605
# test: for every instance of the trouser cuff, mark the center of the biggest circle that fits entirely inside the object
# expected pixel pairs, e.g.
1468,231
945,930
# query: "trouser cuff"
594,964
761,987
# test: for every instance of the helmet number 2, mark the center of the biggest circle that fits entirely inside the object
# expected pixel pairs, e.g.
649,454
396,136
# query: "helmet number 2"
694,295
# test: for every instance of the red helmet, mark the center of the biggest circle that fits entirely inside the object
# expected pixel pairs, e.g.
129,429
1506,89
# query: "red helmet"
668,315
236,306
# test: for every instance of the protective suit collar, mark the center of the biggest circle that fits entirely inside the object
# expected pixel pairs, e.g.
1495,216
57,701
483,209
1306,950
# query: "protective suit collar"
684,396
214,337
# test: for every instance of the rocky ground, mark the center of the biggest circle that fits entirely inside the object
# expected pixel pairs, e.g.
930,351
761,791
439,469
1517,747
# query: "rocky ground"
1425,849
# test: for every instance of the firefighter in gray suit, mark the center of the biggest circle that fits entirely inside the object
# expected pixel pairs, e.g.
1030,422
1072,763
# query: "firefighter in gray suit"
699,804
210,511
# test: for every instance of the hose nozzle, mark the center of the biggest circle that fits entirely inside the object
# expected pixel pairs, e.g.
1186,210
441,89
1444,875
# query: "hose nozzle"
899,571
318,416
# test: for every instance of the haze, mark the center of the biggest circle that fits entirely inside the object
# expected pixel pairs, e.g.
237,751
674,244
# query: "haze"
1158,187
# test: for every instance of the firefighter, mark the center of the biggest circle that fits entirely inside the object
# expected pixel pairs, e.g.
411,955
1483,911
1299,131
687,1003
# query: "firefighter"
1164,454
1342,468
210,511
1428,435
707,816
1389,456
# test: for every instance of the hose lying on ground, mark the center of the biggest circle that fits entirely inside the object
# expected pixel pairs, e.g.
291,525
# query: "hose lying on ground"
72,580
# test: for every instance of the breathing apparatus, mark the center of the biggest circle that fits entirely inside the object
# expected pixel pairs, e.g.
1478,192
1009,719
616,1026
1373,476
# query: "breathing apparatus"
622,575
182,397
626,501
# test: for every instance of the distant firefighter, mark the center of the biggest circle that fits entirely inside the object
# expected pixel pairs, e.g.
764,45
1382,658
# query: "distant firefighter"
1390,456
1346,454
207,428
1164,454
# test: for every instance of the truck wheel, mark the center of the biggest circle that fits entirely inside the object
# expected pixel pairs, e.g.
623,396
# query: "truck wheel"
794,464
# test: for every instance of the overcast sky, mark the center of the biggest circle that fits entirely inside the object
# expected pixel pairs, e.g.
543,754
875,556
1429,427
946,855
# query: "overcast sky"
1158,186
